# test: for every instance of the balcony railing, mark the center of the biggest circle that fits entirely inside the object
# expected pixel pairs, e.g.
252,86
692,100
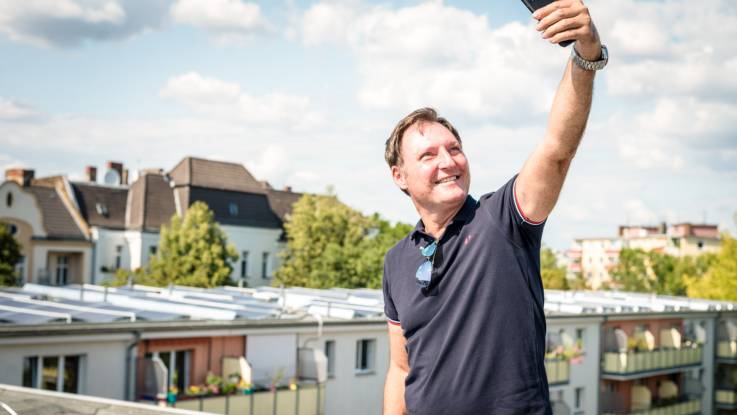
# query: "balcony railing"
304,400
727,349
683,406
633,362
558,371
726,397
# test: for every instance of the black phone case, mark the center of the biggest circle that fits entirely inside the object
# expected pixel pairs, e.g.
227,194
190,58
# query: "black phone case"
533,5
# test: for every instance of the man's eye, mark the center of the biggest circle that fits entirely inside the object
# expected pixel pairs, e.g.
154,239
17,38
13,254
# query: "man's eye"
455,150
426,156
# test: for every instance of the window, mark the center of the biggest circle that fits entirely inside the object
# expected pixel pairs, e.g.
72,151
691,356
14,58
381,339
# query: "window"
54,373
62,270
12,229
265,271
118,256
101,209
365,350
20,268
177,364
9,199
700,244
579,398
152,250
580,334
244,264
330,354
233,209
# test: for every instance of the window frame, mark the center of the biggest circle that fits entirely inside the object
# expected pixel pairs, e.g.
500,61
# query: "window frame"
365,356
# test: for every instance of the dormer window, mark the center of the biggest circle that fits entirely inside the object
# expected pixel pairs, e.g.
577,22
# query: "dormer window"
101,209
9,199
233,209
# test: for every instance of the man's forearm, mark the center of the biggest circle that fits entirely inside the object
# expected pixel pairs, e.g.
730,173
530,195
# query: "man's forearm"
570,111
394,392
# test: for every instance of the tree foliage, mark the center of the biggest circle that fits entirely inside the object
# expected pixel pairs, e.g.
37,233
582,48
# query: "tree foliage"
719,282
553,276
331,245
657,272
193,251
9,256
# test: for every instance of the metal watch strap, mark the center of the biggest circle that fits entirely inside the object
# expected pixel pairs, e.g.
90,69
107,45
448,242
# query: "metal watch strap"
590,65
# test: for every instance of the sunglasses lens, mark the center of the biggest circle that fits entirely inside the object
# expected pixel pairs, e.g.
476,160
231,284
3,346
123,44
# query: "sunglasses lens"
429,250
423,273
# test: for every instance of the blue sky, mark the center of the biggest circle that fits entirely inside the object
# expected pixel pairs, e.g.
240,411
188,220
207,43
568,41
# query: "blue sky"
305,93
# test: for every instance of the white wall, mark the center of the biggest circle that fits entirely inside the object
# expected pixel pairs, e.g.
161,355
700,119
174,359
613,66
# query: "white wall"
103,368
268,353
349,392
582,375
256,241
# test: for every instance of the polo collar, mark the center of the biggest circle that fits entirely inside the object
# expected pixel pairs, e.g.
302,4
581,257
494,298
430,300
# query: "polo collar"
463,215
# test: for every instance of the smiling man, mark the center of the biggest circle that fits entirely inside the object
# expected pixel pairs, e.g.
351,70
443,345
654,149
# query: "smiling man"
462,292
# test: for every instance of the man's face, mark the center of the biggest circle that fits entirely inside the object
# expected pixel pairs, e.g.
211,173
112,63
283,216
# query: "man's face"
434,169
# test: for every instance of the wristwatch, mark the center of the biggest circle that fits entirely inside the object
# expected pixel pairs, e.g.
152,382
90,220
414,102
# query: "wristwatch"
590,65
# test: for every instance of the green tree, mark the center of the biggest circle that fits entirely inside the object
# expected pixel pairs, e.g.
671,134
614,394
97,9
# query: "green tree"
193,251
9,256
631,273
553,276
720,281
331,245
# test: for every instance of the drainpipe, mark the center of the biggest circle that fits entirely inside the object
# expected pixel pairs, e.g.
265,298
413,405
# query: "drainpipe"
130,369
94,254
318,317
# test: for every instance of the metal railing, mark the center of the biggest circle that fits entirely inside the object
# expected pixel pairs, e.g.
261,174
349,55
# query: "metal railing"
558,371
304,400
644,361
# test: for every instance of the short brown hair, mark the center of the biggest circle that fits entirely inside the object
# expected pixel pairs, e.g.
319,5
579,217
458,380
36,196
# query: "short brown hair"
392,152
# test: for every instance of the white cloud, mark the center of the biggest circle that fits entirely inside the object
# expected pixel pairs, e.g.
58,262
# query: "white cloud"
227,20
438,55
227,100
67,23
11,110
638,213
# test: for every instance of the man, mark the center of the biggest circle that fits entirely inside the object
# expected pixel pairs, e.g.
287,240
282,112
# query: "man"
463,292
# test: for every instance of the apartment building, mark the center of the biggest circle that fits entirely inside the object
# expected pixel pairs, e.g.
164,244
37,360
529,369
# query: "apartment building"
593,258
74,232
606,352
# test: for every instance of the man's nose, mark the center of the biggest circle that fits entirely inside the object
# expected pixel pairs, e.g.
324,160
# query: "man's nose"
446,159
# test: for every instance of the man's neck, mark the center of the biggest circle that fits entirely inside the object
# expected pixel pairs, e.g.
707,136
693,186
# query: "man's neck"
436,220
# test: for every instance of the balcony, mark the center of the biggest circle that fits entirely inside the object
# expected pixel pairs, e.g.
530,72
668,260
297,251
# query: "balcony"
727,350
304,399
726,398
558,371
637,364
679,406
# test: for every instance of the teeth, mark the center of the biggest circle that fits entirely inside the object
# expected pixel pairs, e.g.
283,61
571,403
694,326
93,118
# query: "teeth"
447,179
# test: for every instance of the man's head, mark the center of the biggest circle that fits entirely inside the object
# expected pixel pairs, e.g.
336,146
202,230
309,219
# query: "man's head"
427,161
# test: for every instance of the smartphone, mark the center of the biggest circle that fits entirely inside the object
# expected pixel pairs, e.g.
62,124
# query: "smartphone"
533,5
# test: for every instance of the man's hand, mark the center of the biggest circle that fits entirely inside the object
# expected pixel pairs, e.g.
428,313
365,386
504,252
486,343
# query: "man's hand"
570,20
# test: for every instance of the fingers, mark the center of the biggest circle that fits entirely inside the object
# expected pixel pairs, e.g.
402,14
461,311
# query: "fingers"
572,34
544,11
556,15
562,26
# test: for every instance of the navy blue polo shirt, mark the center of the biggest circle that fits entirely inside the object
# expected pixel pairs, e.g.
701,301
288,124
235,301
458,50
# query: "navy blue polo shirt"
476,334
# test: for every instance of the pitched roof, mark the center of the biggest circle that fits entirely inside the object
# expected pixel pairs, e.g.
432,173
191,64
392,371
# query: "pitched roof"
111,201
150,203
213,174
237,208
57,220
281,202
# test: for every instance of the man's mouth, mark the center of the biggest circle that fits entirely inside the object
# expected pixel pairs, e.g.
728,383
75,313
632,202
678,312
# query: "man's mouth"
448,179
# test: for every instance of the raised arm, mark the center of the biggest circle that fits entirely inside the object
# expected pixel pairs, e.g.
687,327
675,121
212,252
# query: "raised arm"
541,178
398,368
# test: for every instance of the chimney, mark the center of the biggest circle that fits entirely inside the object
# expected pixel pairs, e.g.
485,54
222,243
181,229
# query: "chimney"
90,172
21,176
287,188
124,177
118,167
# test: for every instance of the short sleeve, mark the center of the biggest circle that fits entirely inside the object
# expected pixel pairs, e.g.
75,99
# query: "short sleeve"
508,215
389,309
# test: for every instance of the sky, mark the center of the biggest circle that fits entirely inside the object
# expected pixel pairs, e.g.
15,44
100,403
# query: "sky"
305,93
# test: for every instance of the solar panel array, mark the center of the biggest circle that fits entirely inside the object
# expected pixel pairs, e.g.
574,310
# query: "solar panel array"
40,304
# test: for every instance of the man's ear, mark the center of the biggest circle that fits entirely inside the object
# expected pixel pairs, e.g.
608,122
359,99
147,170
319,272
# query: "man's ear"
399,178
